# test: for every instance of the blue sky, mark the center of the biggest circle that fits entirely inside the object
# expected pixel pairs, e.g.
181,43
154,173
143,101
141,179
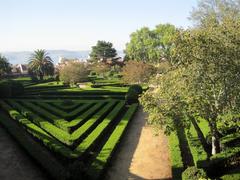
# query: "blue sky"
78,24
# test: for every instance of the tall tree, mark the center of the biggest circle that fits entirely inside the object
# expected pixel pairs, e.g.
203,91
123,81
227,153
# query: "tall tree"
102,51
5,66
151,45
204,83
214,10
41,64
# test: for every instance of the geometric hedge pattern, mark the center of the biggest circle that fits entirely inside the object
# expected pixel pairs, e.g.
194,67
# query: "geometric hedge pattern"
81,130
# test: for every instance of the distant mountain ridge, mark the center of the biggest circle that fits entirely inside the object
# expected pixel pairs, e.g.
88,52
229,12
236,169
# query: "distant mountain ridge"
22,57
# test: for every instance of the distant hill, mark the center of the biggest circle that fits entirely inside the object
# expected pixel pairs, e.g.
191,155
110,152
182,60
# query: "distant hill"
22,57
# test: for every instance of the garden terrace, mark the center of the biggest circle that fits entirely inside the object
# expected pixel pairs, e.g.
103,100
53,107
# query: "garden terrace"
79,135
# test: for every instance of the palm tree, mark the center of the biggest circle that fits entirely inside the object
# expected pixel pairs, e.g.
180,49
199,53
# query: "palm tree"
41,64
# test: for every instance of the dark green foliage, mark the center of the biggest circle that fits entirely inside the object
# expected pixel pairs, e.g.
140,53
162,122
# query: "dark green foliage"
67,102
131,97
133,94
224,161
5,66
5,89
137,88
92,124
17,88
10,88
102,51
193,173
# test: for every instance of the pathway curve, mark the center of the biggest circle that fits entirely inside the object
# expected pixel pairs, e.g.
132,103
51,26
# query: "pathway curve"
141,155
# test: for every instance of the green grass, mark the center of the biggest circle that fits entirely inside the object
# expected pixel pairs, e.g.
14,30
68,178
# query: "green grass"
195,145
203,124
176,158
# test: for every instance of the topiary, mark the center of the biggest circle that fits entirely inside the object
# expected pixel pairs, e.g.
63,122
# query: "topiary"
137,88
131,97
193,173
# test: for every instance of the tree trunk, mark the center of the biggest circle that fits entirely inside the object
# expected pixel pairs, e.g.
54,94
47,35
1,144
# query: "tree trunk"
201,136
215,138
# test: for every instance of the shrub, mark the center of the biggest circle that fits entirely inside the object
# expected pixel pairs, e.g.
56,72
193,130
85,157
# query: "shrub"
131,97
193,173
137,72
137,88
74,72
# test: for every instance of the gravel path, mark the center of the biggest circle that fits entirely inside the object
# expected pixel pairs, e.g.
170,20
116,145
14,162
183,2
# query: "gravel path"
142,155
15,164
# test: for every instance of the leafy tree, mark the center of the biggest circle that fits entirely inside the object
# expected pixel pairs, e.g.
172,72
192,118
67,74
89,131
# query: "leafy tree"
214,10
135,72
41,64
100,68
5,66
142,46
151,45
203,84
102,51
74,72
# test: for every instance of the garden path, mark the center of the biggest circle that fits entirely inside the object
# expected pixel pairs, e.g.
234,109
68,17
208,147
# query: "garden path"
141,155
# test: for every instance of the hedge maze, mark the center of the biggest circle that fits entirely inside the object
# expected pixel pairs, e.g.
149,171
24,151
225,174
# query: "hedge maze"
71,139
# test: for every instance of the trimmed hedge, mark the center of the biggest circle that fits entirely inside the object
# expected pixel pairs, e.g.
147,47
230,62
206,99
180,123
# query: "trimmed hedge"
37,132
58,133
223,162
39,111
136,88
193,173
10,88
34,149
66,115
92,137
88,124
106,152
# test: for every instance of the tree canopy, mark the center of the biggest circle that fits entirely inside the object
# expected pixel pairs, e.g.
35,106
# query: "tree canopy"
151,45
102,51
74,72
214,10
203,82
137,72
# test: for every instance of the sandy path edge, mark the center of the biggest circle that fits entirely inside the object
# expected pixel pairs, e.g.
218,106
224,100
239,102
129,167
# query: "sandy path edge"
141,154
